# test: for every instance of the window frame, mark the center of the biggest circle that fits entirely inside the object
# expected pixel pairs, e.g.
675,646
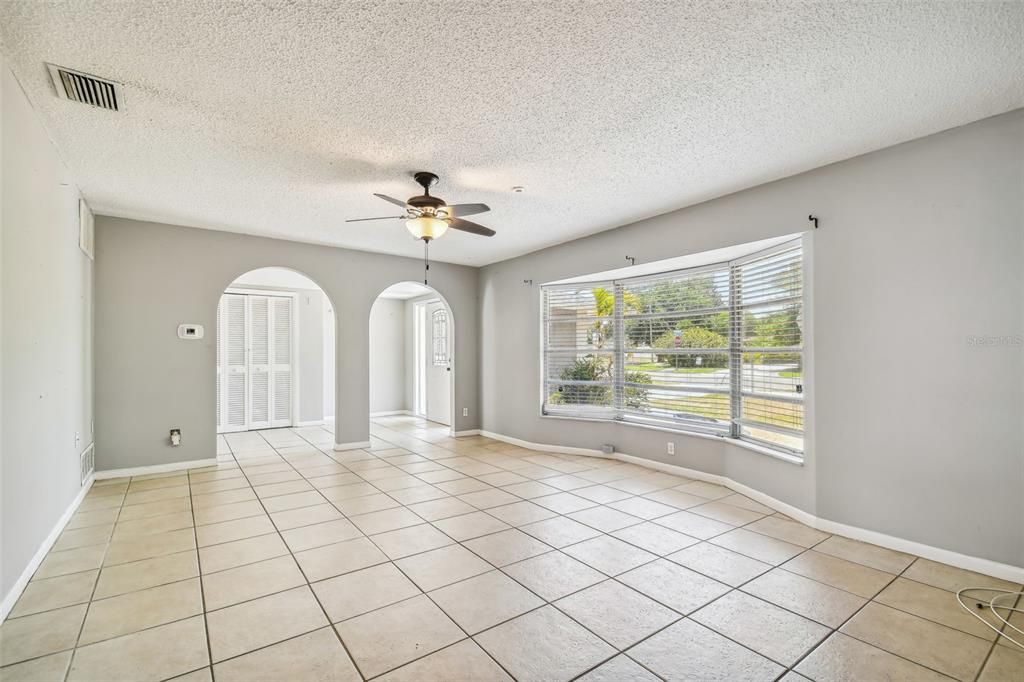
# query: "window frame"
439,342
733,426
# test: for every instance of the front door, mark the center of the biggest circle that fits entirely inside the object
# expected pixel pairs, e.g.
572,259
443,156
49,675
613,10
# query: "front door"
437,362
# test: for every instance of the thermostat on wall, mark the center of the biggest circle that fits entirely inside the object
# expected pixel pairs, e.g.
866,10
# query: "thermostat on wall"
190,331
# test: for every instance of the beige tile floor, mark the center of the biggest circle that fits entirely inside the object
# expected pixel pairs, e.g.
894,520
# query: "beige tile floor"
429,558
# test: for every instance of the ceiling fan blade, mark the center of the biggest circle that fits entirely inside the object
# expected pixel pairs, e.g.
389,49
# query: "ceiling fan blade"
459,210
392,200
387,217
467,226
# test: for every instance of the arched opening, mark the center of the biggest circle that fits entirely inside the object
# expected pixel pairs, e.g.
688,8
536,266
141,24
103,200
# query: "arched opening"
275,340
412,370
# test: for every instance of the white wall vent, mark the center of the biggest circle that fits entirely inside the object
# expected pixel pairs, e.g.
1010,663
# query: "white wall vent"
81,87
86,230
88,463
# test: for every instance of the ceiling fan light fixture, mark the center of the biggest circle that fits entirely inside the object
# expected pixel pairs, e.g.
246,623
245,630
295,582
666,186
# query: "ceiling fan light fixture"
426,227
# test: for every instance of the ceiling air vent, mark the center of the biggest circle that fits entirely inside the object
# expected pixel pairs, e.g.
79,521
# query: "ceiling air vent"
81,87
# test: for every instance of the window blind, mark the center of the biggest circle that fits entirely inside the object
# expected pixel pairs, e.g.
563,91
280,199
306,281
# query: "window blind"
716,349
579,349
676,348
768,328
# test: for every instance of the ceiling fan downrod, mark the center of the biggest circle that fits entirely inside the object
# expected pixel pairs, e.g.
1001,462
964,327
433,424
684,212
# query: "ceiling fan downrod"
426,259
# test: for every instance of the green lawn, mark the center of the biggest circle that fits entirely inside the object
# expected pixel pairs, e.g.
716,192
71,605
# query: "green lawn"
662,367
795,374
716,406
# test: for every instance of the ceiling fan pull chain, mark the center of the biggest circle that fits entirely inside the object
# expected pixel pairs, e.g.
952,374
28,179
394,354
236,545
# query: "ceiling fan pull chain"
426,259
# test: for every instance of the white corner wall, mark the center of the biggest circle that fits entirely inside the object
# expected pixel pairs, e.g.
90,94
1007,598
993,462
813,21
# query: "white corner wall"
46,285
916,431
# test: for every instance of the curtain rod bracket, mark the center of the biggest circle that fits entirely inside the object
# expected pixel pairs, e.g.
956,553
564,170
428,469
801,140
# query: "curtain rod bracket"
814,219
631,259
528,282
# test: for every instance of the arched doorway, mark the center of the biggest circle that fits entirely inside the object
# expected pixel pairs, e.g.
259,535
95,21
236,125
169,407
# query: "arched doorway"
412,372
275,356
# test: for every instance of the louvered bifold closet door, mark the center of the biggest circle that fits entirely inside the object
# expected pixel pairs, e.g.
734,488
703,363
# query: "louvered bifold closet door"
579,349
232,363
259,362
281,361
768,326
676,348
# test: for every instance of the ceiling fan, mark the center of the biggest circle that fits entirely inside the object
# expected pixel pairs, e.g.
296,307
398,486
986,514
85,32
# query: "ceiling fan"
428,217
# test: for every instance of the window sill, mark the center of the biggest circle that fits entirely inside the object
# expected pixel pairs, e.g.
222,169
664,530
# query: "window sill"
746,445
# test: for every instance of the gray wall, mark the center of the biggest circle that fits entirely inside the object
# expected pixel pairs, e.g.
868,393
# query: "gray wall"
388,367
916,432
151,277
46,284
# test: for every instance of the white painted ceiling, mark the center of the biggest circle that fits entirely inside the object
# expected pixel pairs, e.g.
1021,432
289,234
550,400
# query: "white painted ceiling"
405,290
280,118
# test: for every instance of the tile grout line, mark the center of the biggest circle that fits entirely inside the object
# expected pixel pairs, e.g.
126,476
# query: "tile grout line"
88,608
202,583
422,593
457,454
1017,603
309,585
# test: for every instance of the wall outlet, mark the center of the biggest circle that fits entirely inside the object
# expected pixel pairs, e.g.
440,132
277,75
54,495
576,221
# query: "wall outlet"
671,448
465,411
175,437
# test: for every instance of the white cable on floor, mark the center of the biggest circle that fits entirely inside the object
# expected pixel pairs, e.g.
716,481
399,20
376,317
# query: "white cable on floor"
992,605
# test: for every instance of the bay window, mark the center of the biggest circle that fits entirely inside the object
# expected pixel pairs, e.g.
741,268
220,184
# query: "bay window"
716,349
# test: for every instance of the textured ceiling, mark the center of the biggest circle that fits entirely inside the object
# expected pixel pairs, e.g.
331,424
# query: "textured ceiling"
281,118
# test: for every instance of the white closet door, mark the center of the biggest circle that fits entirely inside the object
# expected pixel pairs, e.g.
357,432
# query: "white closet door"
254,362
231,363
281,361
259,362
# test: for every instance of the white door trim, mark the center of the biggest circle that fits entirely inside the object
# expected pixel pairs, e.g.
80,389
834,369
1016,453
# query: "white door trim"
420,337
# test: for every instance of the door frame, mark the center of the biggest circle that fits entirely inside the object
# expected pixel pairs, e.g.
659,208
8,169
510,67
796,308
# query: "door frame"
294,296
421,326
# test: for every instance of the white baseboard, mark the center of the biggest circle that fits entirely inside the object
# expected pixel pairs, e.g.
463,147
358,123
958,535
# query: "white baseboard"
971,563
329,420
11,598
561,449
155,468
467,432
391,413
313,422
355,445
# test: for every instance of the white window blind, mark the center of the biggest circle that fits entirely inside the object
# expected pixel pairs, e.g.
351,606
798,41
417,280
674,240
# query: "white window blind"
579,347
716,349
676,348
768,327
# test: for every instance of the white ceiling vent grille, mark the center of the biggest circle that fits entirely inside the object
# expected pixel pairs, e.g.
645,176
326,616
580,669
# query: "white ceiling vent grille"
81,87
